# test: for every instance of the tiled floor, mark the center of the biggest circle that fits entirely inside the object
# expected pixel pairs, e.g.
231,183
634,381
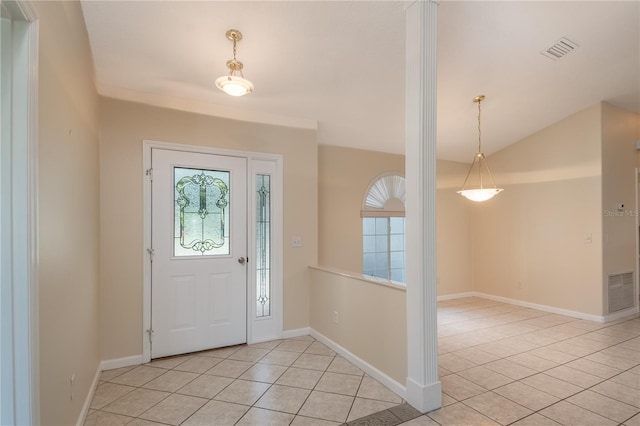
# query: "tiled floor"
499,364
296,381
504,364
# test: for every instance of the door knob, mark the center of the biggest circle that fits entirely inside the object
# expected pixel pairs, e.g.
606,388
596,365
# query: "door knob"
241,260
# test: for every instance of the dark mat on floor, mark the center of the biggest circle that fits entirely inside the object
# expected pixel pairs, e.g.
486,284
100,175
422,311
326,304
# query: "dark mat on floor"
390,417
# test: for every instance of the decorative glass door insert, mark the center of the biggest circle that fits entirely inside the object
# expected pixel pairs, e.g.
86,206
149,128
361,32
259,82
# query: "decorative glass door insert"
201,202
263,242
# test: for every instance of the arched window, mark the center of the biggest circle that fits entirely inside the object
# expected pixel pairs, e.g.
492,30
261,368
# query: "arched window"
383,228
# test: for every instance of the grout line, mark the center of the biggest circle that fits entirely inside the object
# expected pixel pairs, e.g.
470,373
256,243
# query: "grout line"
610,332
585,332
354,399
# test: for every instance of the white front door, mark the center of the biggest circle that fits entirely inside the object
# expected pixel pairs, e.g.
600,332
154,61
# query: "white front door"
198,232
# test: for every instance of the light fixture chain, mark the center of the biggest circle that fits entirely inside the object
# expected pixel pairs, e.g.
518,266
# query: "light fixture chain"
232,84
234,48
479,129
481,193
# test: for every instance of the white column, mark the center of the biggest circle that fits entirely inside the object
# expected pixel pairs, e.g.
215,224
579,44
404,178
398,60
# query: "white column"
423,387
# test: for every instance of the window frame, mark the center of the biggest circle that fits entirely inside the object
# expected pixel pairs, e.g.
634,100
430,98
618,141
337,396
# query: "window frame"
388,249
381,201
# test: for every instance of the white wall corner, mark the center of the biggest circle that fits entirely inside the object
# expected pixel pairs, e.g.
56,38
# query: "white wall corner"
424,398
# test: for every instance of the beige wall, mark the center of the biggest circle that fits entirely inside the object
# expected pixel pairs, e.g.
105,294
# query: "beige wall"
529,241
124,126
372,320
638,139
619,133
68,210
453,221
638,151
344,175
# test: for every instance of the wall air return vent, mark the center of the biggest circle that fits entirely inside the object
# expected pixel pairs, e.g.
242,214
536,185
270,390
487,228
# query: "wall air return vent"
620,291
560,49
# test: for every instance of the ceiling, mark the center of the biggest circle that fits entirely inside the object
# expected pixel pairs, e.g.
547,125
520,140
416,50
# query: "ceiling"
339,65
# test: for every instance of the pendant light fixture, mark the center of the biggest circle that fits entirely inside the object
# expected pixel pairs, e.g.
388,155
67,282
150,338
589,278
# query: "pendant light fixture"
232,84
479,193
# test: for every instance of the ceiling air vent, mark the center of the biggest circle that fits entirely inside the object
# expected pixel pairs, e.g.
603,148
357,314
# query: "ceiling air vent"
560,49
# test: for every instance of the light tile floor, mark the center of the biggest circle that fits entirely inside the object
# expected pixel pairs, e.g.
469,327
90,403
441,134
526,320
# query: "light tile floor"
295,381
502,364
499,364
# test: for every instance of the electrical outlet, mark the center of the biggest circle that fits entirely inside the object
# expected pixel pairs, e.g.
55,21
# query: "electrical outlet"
336,317
296,241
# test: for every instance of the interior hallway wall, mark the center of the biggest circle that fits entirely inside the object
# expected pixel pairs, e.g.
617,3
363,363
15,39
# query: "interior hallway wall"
124,126
68,213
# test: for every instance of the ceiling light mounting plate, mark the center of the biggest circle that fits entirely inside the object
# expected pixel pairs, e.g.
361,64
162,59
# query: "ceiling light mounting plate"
478,98
234,35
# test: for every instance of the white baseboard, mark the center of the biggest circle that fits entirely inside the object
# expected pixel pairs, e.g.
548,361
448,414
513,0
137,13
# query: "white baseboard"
545,308
112,364
455,296
298,332
372,371
619,315
424,398
87,401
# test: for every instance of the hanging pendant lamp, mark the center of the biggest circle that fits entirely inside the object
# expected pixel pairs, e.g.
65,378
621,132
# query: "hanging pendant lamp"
480,192
232,84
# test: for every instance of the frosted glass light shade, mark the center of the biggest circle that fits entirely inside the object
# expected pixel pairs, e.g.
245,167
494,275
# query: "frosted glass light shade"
234,85
482,194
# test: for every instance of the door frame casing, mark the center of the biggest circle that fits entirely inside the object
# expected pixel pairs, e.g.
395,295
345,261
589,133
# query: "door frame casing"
19,338
258,329
636,268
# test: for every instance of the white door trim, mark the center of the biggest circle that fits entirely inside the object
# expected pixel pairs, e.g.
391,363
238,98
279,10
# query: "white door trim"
636,295
19,337
257,329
